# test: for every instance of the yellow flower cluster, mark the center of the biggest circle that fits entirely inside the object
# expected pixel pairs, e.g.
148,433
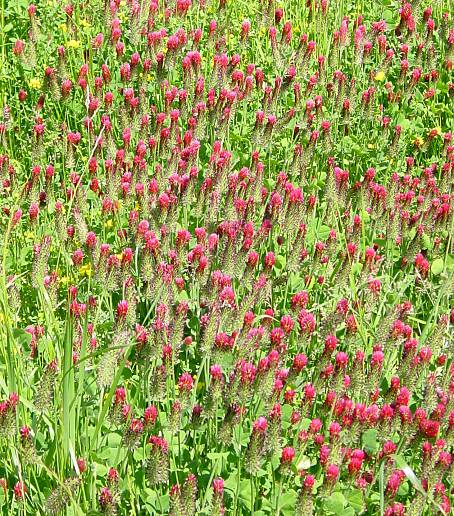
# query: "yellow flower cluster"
418,141
65,280
86,270
123,17
73,43
35,83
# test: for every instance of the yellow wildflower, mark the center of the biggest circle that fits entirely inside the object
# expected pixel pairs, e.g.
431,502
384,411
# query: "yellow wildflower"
65,280
73,43
63,28
35,83
380,76
418,141
86,270
108,224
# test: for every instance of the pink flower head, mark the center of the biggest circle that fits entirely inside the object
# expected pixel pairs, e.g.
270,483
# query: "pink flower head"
122,309
185,383
19,490
150,415
299,362
308,483
287,324
287,456
332,473
218,486
260,425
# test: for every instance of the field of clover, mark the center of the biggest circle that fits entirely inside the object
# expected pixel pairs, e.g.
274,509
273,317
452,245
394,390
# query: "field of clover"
226,257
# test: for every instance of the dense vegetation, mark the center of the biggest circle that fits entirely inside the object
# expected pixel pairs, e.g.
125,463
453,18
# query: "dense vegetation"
226,257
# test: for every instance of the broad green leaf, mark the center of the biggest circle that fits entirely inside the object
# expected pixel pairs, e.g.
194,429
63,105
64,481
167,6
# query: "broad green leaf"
287,500
22,337
335,503
369,440
323,233
114,439
100,469
450,261
403,489
182,296
426,241
280,261
355,500
244,496
217,455
139,454
437,266
286,412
